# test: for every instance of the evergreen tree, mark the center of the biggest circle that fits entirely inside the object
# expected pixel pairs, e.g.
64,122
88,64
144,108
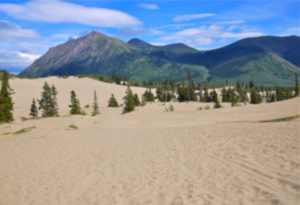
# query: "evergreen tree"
33,110
206,96
296,85
75,104
6,105
223,93
216,100
112,102
233,98
128,101
288,93
136,100
279,94
46,103
191,96
182,92
54,99
272,98
251,84
238,86
254,97
148,96
95,105
160,94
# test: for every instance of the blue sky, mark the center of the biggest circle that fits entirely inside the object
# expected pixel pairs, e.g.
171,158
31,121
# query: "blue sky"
28,28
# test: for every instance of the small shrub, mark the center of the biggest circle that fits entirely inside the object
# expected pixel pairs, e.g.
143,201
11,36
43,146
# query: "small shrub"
207,107
24,130
199,108
87,106
289,118
73,127
170,108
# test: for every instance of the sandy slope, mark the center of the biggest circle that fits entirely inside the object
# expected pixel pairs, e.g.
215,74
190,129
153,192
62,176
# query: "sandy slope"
149,156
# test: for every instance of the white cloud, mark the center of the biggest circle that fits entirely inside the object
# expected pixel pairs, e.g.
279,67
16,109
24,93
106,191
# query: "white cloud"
57,11
137,31
232,22
149,6
294,31
207,35
177,26
158,43
192,16
16,61
11,31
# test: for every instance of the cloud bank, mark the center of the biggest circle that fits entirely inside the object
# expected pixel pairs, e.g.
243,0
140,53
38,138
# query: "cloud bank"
15,61
191,17
11,31
57,11
207,35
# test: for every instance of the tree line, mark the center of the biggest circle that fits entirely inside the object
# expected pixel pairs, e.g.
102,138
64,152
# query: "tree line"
166,91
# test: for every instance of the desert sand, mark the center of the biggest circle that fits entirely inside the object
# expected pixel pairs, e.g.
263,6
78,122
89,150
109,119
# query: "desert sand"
149,156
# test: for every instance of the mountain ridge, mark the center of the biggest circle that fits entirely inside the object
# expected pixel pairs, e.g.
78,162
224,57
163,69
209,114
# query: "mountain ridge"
138,60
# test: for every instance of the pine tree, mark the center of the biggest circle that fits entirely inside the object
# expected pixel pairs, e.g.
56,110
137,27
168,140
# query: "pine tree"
148,96
191,88
251,84
112,102
75,104
296,85
46,103
254,97
233,98
136,100
128,101
216,100
54,100
206,96
95,105
6,105
33,110
279,94
182,92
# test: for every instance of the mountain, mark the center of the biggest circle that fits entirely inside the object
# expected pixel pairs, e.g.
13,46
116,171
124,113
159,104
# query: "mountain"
267,60
100,54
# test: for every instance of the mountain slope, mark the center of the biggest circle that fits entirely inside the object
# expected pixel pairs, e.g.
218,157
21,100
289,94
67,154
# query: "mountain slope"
100,54
264,69
266,60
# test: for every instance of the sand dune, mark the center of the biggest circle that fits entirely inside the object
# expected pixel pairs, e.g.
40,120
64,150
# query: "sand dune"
185,157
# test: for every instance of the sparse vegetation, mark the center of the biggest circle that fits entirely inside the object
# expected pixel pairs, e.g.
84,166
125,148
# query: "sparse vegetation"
24,130
170,108
95,105
6,104
136,100
75,105
33,110
216,100
129,101
73,127
48,103
289,118
296,85
112,102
